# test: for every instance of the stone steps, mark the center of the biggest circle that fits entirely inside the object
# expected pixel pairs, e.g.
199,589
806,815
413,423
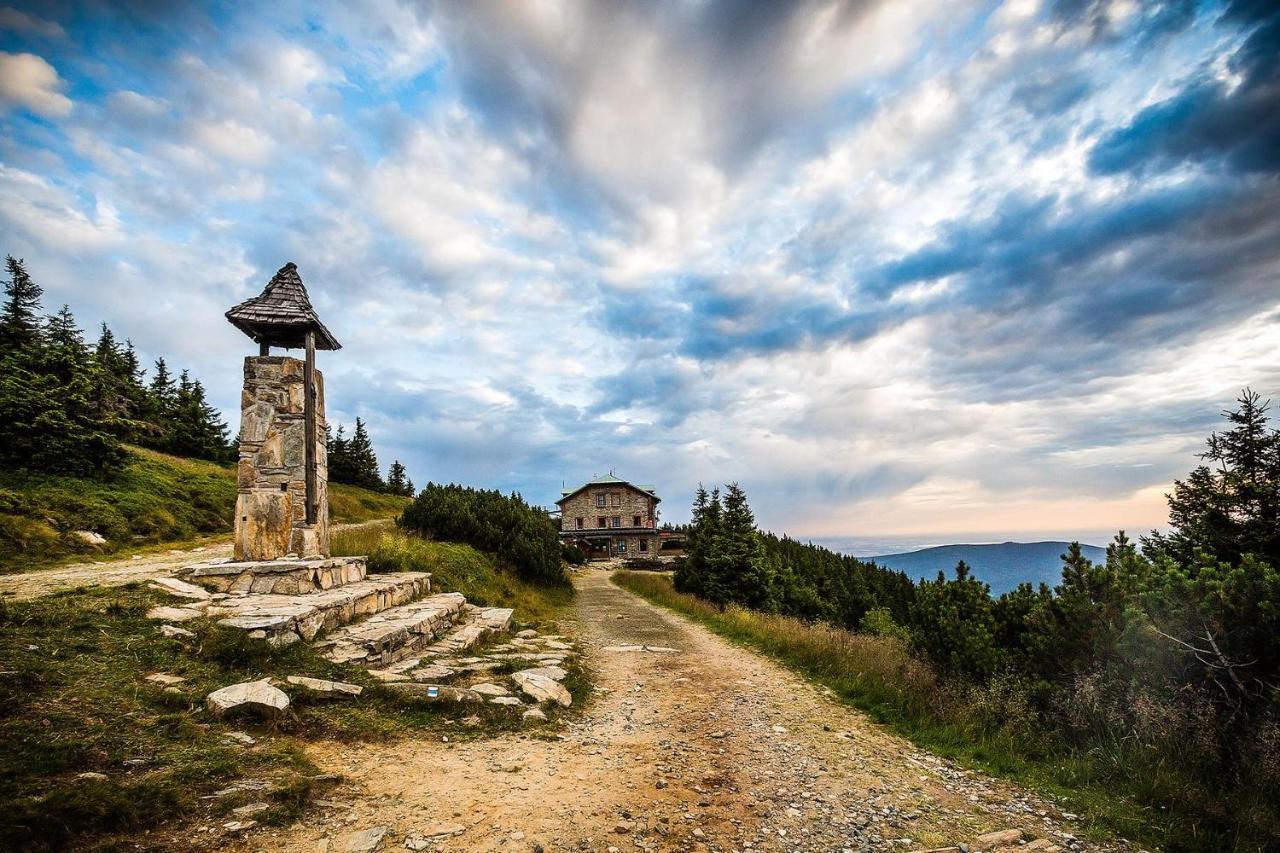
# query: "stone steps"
286,576
482,622
392,634
284,619
439,660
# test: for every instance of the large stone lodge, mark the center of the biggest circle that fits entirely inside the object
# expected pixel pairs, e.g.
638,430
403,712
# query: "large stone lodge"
608,516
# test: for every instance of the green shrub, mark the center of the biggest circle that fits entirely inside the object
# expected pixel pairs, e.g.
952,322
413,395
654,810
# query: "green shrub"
454,568
572,554
879,621
519,535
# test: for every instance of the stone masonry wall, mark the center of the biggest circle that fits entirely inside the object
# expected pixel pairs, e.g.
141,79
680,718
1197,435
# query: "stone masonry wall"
632,502
271,507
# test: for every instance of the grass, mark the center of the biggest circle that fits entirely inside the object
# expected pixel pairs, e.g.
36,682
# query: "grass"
1118,790
455,568
156,501
74,699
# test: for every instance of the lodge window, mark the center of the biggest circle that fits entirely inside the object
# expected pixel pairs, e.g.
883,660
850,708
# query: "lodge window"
635,521
644,544
617,521
600,522
600,499
579,523
617,499
622,546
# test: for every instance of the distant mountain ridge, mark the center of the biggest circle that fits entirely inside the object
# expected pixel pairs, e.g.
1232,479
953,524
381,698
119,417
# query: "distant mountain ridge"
1003,565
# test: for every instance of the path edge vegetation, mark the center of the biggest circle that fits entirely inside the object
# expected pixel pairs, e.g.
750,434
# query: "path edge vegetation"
877,676
1145,687
74,699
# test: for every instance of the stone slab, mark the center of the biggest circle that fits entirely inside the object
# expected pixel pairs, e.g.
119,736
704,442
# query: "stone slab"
395,633
287,618
279,577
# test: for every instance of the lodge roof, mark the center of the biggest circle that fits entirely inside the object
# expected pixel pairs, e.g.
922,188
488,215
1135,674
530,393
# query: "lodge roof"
609,480
282,314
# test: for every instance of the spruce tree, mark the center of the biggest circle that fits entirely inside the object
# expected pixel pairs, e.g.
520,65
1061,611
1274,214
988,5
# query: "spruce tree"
1233,508
364,463
397,481
20,319
340,469
48,421
690,571
158,410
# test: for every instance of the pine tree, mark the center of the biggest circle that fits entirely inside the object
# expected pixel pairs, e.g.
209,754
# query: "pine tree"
195,428
340,467
20,318
364,463
1232,509
111,397
48,421
690,571
397,481
744,572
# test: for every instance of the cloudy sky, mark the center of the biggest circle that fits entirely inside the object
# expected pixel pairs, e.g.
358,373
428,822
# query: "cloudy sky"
908,268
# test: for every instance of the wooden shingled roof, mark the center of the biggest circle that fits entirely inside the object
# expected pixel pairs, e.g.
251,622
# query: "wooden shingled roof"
281,315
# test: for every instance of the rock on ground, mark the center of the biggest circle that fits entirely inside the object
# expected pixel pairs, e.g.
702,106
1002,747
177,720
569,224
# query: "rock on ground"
542,688
367,840
255,696
324,688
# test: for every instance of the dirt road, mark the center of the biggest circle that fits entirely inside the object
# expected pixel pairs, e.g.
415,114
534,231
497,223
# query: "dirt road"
27,585
706,747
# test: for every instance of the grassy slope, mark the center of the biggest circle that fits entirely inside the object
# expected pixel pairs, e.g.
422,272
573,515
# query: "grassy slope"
1116,793
74,699
156,499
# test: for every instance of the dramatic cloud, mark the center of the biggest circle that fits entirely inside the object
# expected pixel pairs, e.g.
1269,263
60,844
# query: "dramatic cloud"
29,81
901,268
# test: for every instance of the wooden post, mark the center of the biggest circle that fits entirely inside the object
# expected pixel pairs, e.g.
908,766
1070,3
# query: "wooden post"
264,348
309,406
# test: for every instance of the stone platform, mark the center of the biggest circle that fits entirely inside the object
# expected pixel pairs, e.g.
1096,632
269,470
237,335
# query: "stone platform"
285,619
285,576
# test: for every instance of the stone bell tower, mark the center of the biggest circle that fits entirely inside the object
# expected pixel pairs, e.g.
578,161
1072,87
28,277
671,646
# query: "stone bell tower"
282,507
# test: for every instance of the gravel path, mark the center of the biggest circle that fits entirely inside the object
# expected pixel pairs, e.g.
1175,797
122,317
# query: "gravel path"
28,585
705,747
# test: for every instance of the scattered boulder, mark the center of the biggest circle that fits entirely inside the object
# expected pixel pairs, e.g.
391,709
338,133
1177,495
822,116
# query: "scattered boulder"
999,838
505,700
181,589
256,696
527,633
239,825
388,676
555,673
250,810
434,672
534,715
426,838
540,687
240,738
173,632
90,537
165,678
367,840
91,776
174,614
325,689
435,692
487,688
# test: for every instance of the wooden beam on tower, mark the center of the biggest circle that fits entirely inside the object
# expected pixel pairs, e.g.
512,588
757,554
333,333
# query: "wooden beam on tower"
309,407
